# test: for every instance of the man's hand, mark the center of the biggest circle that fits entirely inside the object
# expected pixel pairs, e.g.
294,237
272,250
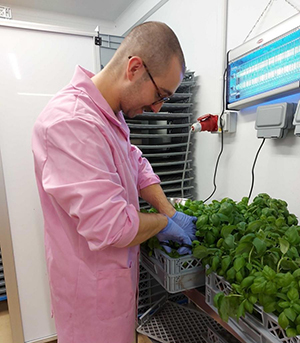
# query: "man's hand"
175,233
187,223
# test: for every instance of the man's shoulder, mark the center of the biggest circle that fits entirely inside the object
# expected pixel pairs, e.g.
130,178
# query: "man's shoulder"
70,104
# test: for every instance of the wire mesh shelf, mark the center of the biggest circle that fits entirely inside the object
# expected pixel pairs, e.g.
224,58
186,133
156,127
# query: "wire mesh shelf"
167,322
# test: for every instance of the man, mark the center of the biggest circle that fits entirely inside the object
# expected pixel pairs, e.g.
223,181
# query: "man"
89,178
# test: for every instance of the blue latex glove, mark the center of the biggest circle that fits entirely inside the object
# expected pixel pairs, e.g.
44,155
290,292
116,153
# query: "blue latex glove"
166,247
181,250
187,223
175,233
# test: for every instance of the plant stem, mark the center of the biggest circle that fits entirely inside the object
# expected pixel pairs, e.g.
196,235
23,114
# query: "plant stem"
249,259
278,265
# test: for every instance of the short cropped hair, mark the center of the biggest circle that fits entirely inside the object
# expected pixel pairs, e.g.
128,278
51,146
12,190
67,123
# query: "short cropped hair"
155,43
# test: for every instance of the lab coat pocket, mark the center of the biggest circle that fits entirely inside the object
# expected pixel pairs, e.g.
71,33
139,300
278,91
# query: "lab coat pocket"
115,293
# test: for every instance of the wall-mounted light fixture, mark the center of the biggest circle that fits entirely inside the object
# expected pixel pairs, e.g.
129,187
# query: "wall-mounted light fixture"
265,67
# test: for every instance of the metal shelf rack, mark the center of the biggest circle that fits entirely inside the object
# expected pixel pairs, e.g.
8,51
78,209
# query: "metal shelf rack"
163,139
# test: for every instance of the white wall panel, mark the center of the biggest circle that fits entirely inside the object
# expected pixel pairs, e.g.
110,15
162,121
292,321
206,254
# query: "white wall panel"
78,22
200,28
249,18
279,160
34,66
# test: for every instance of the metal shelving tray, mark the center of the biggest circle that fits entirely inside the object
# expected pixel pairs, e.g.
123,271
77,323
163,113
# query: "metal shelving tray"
163,139
167,322
2,282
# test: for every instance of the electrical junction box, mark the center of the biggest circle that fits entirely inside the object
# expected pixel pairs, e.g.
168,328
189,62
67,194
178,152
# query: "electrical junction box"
296,121
274,121
229,121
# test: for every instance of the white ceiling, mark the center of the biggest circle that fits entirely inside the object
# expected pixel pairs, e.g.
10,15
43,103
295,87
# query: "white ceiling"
97,9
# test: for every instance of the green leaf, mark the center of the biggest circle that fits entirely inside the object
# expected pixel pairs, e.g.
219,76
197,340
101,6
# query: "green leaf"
248,306
292,220
223,217
230,275
241,226
239,277
257,288
284,245
283,320
290,313
241,311
217,299
270,307
284,304
233,305
209,237
223,308
292,235
202,220
229,242
216,261
200,252
264,299
247,238
282,296
239,263
260,246
215,220
249,266
254,226
252,298
293,294
293,253
266,211
296,273
247,282
270,288
215,232
287,264
220,242
269,273
291,332
280,222
296,307
209,271
236,287
284,279
244,247
226,208
226,261
226,230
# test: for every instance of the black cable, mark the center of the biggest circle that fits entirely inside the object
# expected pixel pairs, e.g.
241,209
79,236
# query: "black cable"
252,172
222,137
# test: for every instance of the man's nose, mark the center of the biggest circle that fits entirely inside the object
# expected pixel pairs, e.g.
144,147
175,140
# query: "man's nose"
156,108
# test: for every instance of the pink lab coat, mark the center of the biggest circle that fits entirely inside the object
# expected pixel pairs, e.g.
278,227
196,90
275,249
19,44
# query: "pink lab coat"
88,176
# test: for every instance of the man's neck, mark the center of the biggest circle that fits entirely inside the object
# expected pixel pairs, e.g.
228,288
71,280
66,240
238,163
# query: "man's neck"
108,89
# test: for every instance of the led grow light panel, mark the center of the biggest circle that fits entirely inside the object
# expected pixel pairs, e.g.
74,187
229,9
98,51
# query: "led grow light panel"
265,70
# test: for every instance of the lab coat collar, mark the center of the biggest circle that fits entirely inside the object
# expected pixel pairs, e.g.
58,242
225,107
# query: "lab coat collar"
82,80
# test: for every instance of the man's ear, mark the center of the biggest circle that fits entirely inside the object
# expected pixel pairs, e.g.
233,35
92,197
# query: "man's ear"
134,67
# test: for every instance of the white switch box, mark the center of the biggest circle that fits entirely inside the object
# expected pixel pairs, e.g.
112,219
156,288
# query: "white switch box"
229,121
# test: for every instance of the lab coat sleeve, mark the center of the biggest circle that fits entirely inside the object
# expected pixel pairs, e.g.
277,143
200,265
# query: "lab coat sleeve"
146,176
81,176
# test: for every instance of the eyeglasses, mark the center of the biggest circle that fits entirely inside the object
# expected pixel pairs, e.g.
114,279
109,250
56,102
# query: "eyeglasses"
162,98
